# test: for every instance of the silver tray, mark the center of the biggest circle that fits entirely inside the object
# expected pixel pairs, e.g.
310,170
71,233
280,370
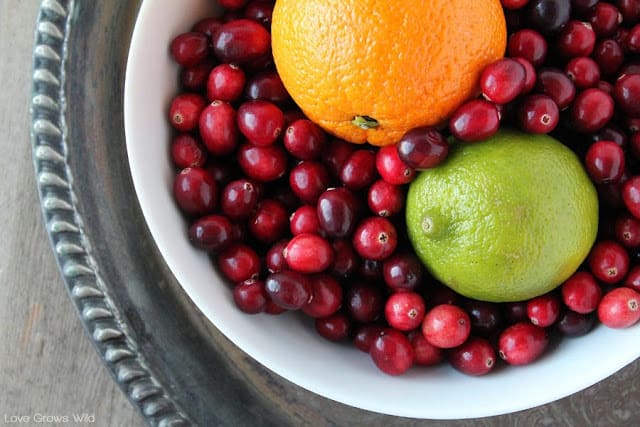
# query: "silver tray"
173,365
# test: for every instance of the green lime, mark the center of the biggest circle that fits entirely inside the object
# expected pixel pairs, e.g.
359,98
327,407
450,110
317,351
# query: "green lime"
506,219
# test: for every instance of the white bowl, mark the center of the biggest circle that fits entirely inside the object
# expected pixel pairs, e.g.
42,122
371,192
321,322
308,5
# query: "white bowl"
286,344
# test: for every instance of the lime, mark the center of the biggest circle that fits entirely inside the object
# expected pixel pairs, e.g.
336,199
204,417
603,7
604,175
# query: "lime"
506,219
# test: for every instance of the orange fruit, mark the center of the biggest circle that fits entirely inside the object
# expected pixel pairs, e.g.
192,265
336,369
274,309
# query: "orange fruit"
370,70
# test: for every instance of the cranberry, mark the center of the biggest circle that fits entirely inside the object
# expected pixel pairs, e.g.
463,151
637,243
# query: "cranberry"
218,128
385,199
528,44
365,335
336,154
574,324
211,232
208,26
555,84
620,308
627,94
241,41
502,81
364,302
402,272
194,78
627,231
605,162
187,151
304,140
515,312
474,121
274,259
446,326
609,56
485,317
632,42
185,110
327,296
195,191
308,180
359,169
225,83
582,7
404,311
262,164
630,10
346,260
581,293
375,238
611,133
474,357
544,310
273,309
370,269
423,148
437,294
261,122
308,253
334,328
631,195
187,49
583,71
304,220
289,289
529,75
239,262
392,352
232,4
633,278
269,222
250,296
238,199
609,261
577,39
261,11
337,212
424,354
538,114
514,4
591,110
266,86
548,16
605,19
522,343
392,168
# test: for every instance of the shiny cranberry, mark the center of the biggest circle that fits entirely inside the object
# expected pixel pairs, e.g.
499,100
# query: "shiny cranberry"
308,180
627,94
538,114
270,221
309,253
528,44
194,78
187,49
632,41
605,19
522,343
365,335
261,122
304,220
424,354
583,72
572,324
375,238
609,261
261,11
273,309
225,83
609,56
239,262
250,296
555,84
274,258
262,164
304,140
241,41
208,26
502,81
346,260
576,39
474,121
605,162
327,296
359,169
392,168
218,128
404,311
446,326
334,328
187,151
239,198
392,352
211,233
337,210
529,75
195,191
423,148
631,195
364,302
185,110
591,110
289,289
630,10
474,357
620,308
544,310
335,155
581,292
385,199
548,16
485,317
633,278
402,272
266,86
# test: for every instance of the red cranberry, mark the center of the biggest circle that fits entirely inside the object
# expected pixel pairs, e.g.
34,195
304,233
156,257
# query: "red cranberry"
270,221
189,48
336,154
385,199
544,310
631,195
185,110
239,199
392,168
274,259
620,308
262,164
627,231
392,352
528,44
609,261
423,148
605,19
605,162
334,328
424,354
485,317
187,151
591,110
529,75
225,83
632,42
241,41
250,296
337,210
574,324
304,220
327,296
548,16
261,122
218,128
208,26
583,71
346,260
194,78
211,233
474,357
365,335
474,121
308,253
514,4
239,262
577,39
304,140
627,94
195,191
308,180
364,302
522,343
404,311
555,84
266,86
630,10
502,81
633,278
274,309
375,238
609,56
261,11
538,114
581,293
446,326
289,289
402,272
359,169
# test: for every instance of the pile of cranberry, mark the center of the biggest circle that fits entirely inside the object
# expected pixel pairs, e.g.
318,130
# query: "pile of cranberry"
295,219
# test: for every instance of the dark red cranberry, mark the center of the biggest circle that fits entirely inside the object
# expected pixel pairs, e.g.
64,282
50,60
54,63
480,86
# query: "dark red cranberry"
195,191
262,164
611,133
609,56
572,324
261,122
208,26
232,4
261,11
273,309
187,151
557,86
250,296
631,195
474,357
266,86
185,110
346,260
385,199
529,75
583,71
627,231
336,154
239,262
592,110
274,259
402,272
194,78
304,220
289,289
241,41
514,4
424,354
375,238
365,335
211,232
627,94
582,7
239,198
632,41
225,83
392,352
548,16
605,19
392,168
538,114
436,294
576,39
337,210
309,253
327,296
270,221
522,343
581,292
630,10
218,128
609,261
633,278
515,311
544,310
502,81
423,148
304,140
404,311
334,328
187,49
370,269
359,169
620,308
474,120
446,326
605,162
528,44
364,302
485,317
308,180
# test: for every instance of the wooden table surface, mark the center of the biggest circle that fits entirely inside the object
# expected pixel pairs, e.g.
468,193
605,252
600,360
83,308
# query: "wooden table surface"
48,367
